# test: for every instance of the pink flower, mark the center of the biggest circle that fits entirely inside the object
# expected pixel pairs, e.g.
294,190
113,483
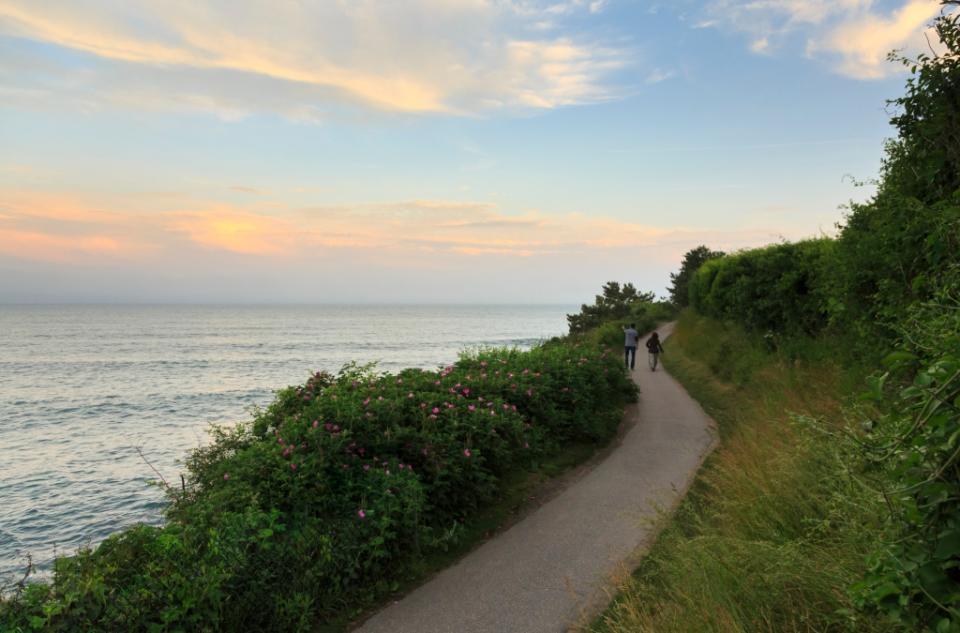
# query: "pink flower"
366,402
526,445
293,466
483,363
472,408
361,514
466,452
529,392
315,423
466,391
226,476
366,467
435,410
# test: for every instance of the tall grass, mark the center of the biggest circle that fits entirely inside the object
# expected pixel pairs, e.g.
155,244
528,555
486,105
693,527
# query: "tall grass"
777,525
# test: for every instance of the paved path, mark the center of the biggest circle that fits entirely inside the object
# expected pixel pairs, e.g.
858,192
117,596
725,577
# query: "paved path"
556,566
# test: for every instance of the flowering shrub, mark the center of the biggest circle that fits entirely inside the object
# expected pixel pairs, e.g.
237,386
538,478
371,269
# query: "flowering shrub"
325,498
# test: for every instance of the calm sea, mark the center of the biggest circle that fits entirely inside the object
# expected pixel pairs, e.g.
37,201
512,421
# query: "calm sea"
81,387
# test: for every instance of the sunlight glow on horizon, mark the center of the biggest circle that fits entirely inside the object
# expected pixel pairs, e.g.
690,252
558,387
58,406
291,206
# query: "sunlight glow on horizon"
458,148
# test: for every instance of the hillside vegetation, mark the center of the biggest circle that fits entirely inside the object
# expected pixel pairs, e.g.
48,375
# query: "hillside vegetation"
833,503
335,495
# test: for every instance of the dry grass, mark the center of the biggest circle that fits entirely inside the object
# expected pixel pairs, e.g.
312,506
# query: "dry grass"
774,530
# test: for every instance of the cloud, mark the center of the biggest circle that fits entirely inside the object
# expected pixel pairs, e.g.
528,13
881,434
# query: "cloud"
168,230
657,75
304,58
861,46
853,36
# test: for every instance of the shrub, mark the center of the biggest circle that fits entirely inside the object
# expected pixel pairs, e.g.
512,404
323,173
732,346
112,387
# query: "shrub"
328,496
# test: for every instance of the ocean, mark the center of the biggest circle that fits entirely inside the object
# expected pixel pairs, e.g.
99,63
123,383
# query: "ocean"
83,387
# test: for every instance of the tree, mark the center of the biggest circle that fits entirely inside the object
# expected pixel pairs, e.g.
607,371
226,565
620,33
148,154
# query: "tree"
692,260
614,303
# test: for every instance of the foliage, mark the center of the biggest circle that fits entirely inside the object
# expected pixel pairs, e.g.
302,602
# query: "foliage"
890,280
777,525
774,289
680,280
915,576
325,498
924,161
617,302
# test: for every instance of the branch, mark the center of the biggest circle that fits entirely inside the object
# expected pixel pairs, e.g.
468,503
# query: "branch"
147,462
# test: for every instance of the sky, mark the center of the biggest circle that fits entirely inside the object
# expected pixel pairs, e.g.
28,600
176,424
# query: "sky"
426,151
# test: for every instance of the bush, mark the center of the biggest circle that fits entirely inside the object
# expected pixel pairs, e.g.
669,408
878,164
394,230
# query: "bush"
328,496
779,288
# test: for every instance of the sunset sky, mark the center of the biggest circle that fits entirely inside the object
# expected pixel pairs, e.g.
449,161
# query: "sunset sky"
425,150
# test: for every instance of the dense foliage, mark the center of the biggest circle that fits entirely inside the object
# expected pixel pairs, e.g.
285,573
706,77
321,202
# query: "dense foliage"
603,322
680,280
615,303
326,497
889,281
778,288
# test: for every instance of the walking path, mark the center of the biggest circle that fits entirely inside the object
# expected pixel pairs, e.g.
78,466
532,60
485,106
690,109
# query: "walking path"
557,566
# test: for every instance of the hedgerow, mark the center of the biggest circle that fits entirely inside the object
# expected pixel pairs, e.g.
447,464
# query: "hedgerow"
889,281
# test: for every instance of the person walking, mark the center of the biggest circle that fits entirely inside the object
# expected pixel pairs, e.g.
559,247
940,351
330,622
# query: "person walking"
653,350
630,338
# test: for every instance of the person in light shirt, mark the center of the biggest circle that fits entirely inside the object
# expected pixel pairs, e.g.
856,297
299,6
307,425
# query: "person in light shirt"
631,336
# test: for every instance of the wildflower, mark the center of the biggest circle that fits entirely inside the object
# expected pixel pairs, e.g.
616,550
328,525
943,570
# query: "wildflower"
435,410
471,408
226,476
526,444
315,423
366,402
466,391
293,466
466,452
492,412
410,395
361,513
399,381
530,392
366,467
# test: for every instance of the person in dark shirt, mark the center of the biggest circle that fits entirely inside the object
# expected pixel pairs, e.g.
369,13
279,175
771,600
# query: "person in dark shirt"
654,348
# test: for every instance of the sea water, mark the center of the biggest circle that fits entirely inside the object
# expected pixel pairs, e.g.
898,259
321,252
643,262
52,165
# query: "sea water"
82,388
